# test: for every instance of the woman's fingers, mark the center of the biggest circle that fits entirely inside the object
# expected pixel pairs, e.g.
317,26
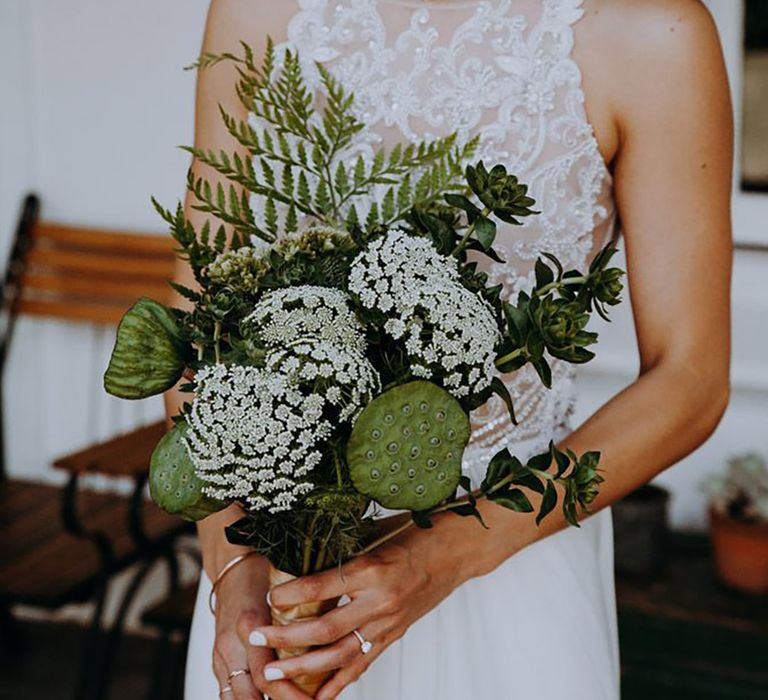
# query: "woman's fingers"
326,585
220,672
242,689
318,660
352,670
327,658
326,629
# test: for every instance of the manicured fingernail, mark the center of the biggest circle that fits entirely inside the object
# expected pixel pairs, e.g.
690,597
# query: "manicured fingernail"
269,598
273,674
344,600
257,639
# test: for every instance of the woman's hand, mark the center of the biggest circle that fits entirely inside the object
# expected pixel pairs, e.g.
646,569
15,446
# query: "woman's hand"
242,595
390,589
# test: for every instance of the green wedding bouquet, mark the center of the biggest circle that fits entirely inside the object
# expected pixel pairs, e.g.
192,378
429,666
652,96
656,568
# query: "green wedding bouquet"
340,335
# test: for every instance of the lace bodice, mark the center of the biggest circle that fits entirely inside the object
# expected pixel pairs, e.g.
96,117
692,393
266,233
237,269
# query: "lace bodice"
503,69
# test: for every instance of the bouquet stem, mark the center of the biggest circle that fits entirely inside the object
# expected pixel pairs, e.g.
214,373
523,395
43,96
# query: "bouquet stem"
309,683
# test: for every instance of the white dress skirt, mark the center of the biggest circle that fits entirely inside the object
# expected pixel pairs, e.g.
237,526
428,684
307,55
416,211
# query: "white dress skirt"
543,624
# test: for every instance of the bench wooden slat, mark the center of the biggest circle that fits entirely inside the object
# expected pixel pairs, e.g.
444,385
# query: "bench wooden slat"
36,525
114,241
20,497
120,266
64,567
100,287
124,455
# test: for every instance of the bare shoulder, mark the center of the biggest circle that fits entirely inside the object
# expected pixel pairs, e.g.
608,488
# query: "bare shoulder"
251,21
648,33
663,54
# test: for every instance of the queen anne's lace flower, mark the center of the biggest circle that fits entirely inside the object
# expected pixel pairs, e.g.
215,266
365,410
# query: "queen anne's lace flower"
255,436
389,274
448,330
305,311
342,375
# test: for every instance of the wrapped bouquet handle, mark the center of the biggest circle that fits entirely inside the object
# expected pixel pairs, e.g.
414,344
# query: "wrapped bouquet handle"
311,682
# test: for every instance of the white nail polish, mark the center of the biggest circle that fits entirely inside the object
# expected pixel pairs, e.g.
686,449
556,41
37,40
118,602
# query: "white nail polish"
269,598
257,639
344,600
273,674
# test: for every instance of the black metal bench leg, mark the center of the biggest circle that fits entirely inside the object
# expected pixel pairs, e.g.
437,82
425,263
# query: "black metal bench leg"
90,654
13,637
113,636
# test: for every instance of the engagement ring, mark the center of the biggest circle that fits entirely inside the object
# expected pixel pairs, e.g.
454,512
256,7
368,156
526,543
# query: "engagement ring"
365,645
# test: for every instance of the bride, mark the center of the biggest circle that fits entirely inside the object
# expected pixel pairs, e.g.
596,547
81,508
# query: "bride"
608,109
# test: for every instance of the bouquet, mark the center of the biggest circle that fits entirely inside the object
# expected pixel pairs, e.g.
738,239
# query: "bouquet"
342,331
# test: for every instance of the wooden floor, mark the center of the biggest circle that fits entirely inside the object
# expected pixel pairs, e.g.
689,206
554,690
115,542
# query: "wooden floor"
46,658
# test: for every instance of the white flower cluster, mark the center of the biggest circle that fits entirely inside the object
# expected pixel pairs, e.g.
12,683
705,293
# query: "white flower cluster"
297,313
447,329
255,436
344,376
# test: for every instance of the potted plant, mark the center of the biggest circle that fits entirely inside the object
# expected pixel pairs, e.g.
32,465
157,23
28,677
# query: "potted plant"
739,523
640,529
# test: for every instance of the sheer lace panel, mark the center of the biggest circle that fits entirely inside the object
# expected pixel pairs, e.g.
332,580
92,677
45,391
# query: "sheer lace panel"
503,70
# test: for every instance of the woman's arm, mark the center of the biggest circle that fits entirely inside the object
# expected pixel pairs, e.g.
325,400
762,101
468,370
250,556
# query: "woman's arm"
672,177
244,589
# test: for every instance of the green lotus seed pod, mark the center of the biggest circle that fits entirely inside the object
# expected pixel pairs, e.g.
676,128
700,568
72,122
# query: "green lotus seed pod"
173,484
149,356
406,446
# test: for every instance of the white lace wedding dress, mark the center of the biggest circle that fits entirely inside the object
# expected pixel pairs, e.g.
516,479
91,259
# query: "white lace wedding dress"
543,623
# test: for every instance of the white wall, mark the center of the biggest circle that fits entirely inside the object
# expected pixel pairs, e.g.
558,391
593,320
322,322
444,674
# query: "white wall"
94,103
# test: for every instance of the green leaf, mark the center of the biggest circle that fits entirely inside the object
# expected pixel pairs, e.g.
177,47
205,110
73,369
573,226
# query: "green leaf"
548,502
544,371
461,202
485,230
544,274
470,509
561,460
421,519
388,205
513,499
186,292
499,467
341,181
558,265
500,389
529,480
541,462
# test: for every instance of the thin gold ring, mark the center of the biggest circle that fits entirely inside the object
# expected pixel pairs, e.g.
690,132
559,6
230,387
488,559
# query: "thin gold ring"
226,689
238,672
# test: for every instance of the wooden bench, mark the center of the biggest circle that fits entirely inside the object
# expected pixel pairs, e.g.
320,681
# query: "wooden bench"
62,545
